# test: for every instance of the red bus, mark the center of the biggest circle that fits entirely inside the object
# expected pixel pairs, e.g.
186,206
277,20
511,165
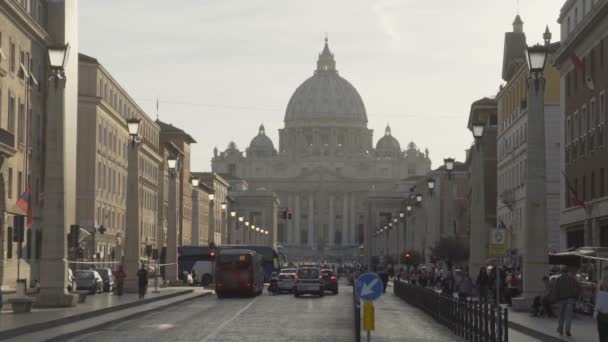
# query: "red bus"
238,272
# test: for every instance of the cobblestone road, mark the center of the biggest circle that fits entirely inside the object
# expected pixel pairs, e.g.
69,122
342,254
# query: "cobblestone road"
274,319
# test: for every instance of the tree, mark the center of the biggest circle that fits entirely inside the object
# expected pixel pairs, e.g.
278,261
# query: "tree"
451,249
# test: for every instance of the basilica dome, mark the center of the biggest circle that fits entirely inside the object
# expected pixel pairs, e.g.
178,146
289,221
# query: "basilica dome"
388,144
325,98
261,141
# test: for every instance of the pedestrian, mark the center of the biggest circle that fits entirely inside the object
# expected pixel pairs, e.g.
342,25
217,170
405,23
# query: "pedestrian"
511,286
194,278
120,276
566,291
384,277
483,282
542,303
142,280
601,310
465,286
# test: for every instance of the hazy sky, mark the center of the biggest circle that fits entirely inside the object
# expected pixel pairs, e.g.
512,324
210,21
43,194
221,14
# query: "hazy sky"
220,68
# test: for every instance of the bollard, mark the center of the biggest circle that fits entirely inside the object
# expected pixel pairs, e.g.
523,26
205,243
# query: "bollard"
506,325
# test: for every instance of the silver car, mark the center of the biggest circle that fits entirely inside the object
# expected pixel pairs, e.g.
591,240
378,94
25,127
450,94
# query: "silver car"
308,280
287,281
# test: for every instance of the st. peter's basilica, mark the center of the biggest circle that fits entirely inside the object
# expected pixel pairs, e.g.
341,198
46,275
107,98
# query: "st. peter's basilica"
325,164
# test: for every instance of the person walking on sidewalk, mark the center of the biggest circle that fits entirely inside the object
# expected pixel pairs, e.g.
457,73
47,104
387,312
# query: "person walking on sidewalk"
120,276
483,282
601,310
565,292
142,280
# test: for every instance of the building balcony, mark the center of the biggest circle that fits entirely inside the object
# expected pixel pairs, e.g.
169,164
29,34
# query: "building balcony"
7,143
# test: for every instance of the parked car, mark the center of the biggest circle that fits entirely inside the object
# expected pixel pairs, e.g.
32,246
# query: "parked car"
89,280
109,283
287,281
330,281
309,280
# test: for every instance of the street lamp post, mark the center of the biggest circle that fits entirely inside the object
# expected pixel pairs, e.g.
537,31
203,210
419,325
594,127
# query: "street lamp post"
132,232
211,217
478,251
535,236
172,219
196,229
59,176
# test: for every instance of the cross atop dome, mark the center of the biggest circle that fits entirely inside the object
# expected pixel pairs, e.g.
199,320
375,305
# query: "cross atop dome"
326,61
387,131
262,130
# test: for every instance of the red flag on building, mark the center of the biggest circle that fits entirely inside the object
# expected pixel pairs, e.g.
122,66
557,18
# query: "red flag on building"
572,194
25,203
578,63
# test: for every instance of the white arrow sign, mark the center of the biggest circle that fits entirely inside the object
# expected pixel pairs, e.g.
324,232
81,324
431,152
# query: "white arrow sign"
368,288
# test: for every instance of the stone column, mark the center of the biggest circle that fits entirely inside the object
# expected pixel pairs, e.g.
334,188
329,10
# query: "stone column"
132,230
311,220
478,245
195,218
172,231
289,226
535,233
297,228
60,161
332,219
353,220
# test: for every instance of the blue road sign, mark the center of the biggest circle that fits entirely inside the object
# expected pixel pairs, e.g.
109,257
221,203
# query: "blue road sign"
369,286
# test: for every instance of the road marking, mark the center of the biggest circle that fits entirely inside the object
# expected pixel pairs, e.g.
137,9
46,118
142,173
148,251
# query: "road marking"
221,326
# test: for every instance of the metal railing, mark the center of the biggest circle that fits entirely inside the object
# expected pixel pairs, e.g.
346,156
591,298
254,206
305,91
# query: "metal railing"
474,321
357,311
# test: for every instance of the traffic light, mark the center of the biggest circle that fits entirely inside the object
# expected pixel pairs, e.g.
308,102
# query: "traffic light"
284,214
212,254
289,214
408,255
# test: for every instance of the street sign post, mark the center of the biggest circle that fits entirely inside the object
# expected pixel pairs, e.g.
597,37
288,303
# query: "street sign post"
368,317
369,286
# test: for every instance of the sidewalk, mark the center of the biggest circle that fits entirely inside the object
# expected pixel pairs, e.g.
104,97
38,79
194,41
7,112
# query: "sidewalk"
584,328
522,326
12,325
395,320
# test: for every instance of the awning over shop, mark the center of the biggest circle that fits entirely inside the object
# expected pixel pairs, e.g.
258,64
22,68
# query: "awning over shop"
573,257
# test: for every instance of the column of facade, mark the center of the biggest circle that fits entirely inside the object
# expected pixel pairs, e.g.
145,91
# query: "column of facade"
297,228
332,218
311,219
289,229
353,220
345,231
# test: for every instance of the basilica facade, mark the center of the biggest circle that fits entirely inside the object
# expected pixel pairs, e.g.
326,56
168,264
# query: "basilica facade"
325,165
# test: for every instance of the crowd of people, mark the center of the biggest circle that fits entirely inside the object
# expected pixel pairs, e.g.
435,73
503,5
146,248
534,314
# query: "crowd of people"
561,290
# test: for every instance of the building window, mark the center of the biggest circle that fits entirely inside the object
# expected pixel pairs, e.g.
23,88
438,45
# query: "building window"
19,183
592,185
602,182
601,54
9,242
21,123
12,58
584,186
10,183
11,113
